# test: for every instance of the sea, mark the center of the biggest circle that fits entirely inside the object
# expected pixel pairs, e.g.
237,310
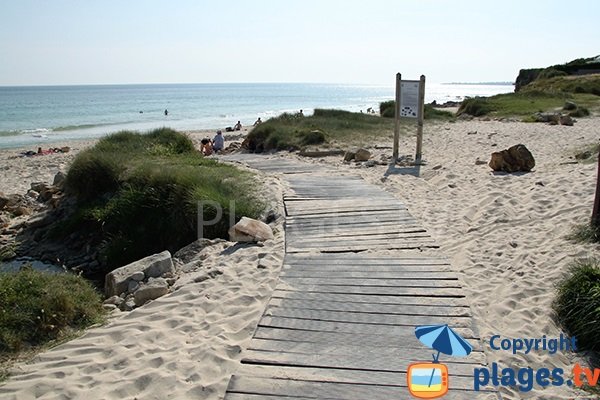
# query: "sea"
36,116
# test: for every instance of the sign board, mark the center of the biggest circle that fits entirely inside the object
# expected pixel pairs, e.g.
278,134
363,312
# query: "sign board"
410,103
409,99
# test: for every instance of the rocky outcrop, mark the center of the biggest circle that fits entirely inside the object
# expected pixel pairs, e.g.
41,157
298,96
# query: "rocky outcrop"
154,266
250,230
359,155
515,159
139,282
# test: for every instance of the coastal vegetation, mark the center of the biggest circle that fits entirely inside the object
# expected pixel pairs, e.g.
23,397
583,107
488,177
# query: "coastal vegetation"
324,127
139,194
38,307
577,305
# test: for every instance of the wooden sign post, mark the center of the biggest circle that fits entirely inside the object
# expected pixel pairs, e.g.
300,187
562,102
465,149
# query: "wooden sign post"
410,103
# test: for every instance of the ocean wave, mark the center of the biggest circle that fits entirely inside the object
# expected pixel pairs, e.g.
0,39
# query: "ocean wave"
77,127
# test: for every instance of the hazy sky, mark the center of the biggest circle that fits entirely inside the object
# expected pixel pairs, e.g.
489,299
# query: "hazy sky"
347,41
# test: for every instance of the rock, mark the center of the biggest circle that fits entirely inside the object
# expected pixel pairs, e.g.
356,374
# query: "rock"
132,286
546,117
138,276
362,155
472,133
109,307
154,289
566,120
480,162
349,155
21,210
570,106
115,300
127,305
250,230
3,201
583,155
439,166
59,179
155,265
514,159
39,186
369,163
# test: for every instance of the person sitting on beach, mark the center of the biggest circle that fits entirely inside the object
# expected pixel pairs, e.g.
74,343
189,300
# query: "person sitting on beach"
218,142
237,126
258,121
207,148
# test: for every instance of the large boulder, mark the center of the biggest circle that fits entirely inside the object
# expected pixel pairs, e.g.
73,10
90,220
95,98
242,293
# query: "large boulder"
156,265
250,230
515,159
362,155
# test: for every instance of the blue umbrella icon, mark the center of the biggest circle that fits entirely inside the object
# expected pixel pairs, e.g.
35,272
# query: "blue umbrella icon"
443,339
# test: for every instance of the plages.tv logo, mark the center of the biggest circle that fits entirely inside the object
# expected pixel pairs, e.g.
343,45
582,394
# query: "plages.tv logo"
428,380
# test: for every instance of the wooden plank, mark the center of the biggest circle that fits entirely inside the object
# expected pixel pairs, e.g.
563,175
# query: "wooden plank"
411,352
369,270
374,290
375,359
360,240
399,309
403,332
358,247
369,273
341,338
368,230
372,298
367,318
327,390
344,376
415,257
431,281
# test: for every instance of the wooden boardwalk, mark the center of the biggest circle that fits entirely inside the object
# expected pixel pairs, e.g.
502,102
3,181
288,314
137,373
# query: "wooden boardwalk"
359,275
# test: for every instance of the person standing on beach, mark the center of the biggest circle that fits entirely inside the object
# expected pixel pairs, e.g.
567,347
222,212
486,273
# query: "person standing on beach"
166,112
218,142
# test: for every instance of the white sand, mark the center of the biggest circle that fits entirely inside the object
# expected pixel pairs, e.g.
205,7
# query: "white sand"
505,234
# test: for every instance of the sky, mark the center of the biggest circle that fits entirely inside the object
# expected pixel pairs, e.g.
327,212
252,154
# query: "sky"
59,42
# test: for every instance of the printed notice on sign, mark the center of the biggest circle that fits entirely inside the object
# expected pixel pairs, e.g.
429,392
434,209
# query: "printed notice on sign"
409,99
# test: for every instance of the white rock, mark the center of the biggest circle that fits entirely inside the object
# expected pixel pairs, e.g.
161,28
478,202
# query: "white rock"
155,265
152,290
250,230
138,276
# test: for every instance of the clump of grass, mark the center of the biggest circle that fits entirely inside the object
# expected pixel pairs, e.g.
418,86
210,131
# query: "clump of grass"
585,233
141,194
36,307
475,106
293,132
577,304
567,84
387,109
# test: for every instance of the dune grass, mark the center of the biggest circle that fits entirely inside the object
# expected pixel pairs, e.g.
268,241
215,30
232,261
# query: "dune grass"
526,103
324,127
37,307
139,194
577,304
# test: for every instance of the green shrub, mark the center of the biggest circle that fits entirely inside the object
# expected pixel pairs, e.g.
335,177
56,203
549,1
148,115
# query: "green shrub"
580,112
577,304
551,73
36,307
387,109
148,195
475,106
94,173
